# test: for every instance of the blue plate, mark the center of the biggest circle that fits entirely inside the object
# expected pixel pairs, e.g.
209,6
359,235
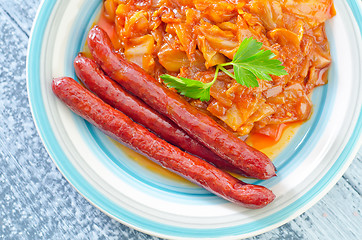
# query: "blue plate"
135,192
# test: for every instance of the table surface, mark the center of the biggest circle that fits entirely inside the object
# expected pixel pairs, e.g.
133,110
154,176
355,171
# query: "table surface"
36,202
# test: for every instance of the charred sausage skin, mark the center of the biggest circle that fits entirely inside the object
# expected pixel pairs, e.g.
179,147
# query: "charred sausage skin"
197,124
118,126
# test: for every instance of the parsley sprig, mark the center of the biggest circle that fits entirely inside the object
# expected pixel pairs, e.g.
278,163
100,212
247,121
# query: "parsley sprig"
250,63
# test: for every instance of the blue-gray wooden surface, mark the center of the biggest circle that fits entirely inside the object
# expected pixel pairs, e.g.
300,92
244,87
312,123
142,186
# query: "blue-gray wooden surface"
36,202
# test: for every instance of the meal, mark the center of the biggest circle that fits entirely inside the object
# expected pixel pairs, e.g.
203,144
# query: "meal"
183,82
190,39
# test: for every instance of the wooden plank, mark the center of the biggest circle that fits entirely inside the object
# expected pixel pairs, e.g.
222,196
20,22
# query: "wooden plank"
353,175
36,202
21,12
336,216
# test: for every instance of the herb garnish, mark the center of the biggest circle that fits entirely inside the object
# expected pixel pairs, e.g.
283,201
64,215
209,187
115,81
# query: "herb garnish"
250,63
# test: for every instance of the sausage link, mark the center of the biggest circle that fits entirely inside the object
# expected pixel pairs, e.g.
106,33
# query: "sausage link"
197,124
118,126
113,94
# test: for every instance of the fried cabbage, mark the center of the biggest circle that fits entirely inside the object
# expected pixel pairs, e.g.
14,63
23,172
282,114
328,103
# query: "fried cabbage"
189,38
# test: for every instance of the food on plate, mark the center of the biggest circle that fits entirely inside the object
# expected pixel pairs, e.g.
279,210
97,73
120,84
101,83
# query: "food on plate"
120,127
113,94
191,38
201,76
194,122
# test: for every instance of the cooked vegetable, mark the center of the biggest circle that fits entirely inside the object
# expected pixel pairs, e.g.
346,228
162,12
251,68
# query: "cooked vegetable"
193,39
249,63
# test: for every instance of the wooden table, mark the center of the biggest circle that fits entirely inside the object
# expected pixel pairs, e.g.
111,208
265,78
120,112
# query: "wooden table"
36,202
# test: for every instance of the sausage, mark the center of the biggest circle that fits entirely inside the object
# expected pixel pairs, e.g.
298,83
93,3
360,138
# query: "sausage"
113,94
121,128
197,124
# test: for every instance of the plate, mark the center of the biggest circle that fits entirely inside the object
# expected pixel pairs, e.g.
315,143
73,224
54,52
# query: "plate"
133,193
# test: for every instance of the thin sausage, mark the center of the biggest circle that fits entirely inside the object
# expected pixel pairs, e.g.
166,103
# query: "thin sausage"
194,122
113,94
118,126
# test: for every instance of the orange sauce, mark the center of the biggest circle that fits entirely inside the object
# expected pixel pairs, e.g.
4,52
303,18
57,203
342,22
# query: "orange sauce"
109,28
269,146
150,165
261,142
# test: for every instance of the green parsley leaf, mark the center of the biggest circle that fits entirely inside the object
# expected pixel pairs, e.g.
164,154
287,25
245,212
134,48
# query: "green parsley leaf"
255,61
188,87
247,48
250,63
245,77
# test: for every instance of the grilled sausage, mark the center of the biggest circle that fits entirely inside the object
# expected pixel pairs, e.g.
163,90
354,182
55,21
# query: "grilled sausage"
118,126
113,94
197,124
